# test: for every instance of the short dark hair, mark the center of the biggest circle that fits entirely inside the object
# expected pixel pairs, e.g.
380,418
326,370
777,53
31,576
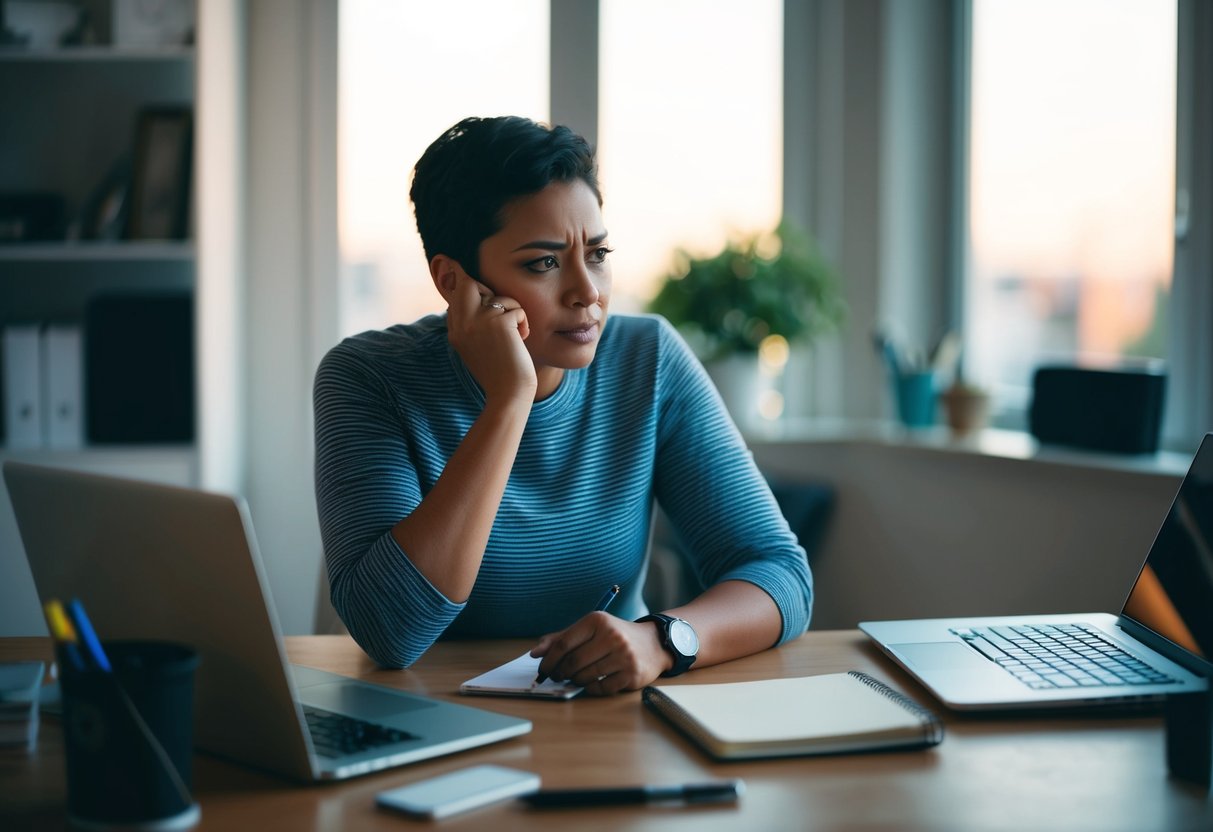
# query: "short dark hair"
465,179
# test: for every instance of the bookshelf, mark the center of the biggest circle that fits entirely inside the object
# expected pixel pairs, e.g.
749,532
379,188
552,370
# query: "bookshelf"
69,113
73,132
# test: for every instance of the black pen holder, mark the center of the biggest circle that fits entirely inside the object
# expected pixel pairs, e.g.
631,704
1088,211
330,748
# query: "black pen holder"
1189,719
129,738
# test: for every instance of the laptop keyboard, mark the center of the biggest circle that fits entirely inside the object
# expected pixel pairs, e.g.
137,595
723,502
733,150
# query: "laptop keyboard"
1044,657
336,735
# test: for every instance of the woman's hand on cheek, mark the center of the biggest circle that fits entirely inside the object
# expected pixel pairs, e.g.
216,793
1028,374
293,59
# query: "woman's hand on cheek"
489,339
603,654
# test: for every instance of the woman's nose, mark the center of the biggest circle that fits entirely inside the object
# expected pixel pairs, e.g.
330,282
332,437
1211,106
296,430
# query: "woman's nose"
582,290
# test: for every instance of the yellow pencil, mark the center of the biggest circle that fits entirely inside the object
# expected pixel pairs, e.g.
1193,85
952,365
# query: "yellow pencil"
61,626
62,631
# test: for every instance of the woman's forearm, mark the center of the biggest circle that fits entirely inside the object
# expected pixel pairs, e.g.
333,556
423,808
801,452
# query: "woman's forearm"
732,619
446,535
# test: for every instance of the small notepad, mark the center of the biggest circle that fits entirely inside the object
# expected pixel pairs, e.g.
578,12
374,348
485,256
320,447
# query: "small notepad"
827,714
517,678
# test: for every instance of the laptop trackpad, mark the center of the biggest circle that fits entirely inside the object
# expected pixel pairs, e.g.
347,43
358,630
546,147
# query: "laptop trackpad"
360,701
939,655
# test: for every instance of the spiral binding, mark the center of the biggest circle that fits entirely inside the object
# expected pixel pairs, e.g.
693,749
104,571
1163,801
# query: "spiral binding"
932,725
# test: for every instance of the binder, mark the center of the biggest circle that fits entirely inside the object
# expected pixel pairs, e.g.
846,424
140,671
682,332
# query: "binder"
63,387
23,386
828,714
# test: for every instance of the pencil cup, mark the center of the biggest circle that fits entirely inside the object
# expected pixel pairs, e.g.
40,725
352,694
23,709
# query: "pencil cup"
915,393
129,738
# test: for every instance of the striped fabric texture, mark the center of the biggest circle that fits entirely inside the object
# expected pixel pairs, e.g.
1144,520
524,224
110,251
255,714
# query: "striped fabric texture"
642,422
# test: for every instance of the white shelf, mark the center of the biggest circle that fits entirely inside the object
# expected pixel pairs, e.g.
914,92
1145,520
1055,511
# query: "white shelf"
989,443
151,250
95,54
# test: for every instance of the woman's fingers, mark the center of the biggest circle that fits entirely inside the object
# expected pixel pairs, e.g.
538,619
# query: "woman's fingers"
488,331
601,653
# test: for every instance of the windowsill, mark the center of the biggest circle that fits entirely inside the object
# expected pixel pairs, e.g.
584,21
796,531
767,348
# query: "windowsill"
990,442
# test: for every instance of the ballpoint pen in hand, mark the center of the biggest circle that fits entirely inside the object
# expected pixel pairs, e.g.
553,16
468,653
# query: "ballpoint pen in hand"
603,603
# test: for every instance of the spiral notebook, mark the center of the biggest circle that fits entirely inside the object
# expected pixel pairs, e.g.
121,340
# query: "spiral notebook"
829,714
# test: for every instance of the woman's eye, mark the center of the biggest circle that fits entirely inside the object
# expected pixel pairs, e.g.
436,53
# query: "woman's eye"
543,264
599,255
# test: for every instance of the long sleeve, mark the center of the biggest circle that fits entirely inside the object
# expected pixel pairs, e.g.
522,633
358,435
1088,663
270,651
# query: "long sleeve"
365,483
718,501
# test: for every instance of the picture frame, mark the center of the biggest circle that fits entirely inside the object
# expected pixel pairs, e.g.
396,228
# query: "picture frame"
161,179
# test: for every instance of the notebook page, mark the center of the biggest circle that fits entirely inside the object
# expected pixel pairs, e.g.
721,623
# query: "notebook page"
517,678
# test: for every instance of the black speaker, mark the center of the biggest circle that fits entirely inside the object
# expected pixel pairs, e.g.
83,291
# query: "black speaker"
139,368
1116,410
1190,737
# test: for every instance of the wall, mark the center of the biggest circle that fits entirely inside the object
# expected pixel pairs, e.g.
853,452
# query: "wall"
927,531
292,279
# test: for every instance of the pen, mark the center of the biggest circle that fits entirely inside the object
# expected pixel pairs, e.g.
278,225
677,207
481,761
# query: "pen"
603,603
62,632
84,629
724,791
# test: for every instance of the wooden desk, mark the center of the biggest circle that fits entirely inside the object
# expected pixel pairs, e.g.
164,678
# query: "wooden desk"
1037,773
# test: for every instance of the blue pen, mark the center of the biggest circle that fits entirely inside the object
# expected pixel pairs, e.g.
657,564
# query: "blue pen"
603,603
84,629
607,598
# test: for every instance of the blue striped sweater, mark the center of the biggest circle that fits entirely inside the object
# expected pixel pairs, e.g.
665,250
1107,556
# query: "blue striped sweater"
642,422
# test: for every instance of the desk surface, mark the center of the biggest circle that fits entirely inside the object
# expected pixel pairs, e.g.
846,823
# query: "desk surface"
1041,772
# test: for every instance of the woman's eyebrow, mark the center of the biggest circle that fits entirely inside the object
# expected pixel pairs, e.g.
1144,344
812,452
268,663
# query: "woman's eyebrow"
553,245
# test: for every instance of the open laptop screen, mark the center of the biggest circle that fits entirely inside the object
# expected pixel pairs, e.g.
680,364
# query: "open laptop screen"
1173,595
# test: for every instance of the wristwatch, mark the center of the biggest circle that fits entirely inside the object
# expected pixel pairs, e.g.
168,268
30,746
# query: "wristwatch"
678,638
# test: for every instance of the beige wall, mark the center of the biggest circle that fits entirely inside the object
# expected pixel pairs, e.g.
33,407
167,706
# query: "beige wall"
921,531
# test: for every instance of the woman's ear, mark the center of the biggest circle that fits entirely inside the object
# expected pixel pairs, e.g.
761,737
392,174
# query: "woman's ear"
445,271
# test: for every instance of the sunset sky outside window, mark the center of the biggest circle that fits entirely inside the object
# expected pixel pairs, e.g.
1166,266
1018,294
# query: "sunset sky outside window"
690,130
1072,182
690,136
407,72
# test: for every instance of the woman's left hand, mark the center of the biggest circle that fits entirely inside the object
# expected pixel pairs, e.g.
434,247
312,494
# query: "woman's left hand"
603,654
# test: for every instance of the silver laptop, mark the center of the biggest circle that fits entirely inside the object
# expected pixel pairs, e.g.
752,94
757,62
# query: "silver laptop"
1161,643
160,562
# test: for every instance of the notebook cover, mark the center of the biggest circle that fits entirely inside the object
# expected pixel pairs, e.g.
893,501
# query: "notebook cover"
828,714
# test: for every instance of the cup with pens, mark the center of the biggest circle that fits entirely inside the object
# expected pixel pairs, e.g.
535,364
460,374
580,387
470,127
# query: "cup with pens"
914,376
128,726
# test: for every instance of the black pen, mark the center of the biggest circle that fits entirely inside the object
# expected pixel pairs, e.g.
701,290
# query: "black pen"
721,791
603,603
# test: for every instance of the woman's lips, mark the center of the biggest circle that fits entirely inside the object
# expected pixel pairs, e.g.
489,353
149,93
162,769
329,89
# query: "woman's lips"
582,334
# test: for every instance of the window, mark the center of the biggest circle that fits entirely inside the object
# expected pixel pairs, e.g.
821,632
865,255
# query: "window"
1071,186
403,79
690,130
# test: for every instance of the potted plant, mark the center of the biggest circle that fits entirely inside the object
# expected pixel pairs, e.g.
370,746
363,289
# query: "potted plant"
967,407
772,289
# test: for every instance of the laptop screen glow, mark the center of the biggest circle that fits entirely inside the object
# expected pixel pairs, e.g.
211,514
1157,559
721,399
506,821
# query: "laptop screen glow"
1173,595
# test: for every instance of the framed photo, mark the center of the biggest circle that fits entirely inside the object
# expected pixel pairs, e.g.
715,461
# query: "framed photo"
160,185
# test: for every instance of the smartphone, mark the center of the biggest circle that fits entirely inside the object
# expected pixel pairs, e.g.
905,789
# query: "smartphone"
458,791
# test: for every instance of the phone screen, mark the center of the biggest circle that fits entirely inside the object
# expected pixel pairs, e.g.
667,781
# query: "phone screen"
459,791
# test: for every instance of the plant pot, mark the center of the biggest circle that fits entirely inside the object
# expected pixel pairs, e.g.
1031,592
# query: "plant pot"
967,409
742,385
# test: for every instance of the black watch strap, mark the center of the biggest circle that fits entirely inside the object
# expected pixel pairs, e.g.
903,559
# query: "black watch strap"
684,655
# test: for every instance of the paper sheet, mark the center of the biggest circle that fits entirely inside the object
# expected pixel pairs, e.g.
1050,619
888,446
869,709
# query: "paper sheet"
517,678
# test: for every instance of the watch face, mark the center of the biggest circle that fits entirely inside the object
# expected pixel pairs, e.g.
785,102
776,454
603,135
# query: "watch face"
683,638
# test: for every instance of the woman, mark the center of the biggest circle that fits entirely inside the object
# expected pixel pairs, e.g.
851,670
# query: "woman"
490,472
